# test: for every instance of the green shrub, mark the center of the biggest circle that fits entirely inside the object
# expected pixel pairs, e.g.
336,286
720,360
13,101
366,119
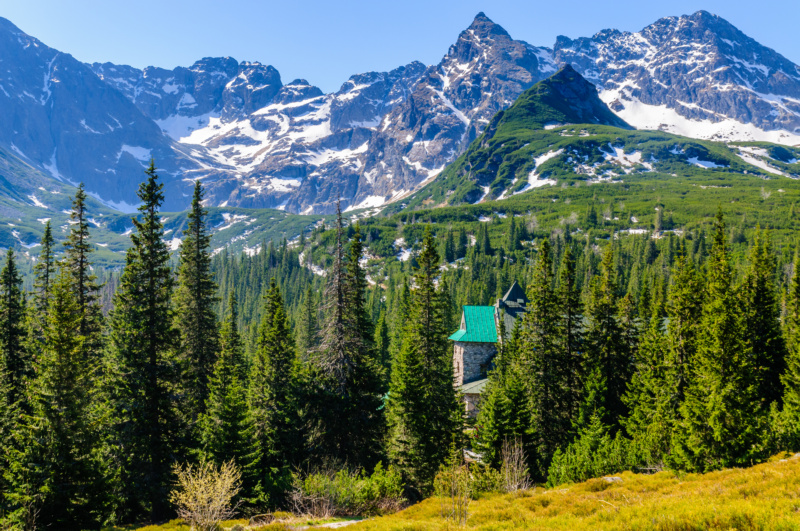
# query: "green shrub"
347,493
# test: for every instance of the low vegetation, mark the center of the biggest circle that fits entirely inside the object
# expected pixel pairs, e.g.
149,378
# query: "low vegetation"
762,497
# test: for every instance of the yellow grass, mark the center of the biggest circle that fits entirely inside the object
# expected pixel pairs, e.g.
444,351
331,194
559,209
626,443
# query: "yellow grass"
765,496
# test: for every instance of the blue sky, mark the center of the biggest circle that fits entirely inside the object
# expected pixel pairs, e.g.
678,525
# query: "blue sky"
327,41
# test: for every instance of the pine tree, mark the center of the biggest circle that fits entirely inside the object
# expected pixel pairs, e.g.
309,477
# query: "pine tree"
348,405
791,375
273,402
423,409
652,415
461,245
684,311
762,320
226,426
77,262
569,336
306,329
44,271
13,355
382,342
195,300
505,411
541,358
143,369
721,415
57,472
449,248
608,358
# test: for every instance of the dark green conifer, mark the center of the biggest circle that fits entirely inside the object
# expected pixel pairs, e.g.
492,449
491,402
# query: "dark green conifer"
13,355
144,375
56,474
273,402
422,408
762,320
721,414
195,300
77,263
226,427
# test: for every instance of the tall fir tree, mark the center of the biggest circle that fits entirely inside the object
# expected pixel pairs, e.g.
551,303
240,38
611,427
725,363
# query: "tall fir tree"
351,424
505,412
307,326
44,271
13,354
722,417
77,263
608,359
273,403
226,425
790,429
762,319
569,335
195,301
423,409
143,370
542,360
57,476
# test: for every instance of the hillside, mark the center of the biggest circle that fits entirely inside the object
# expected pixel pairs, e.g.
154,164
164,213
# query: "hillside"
559,132
761,497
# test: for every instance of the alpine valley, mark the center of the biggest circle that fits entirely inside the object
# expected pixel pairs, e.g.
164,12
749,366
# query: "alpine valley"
686,96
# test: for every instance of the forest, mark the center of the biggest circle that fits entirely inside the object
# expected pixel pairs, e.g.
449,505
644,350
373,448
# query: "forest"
674,350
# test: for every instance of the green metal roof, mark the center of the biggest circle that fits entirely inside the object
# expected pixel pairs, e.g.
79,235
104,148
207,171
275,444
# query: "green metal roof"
477,325
474,388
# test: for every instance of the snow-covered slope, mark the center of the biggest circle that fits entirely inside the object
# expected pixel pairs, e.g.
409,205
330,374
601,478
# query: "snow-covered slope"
694,75
257,142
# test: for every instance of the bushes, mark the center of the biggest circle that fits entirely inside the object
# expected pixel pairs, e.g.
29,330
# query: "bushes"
593,454
204,493
346,493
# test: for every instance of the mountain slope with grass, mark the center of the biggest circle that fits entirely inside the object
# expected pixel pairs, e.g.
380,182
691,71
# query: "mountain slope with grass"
559,132
761,497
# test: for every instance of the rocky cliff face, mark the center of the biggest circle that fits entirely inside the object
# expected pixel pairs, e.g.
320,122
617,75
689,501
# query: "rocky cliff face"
695,75
257,142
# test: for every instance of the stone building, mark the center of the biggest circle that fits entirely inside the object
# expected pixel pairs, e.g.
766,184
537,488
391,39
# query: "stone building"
476,342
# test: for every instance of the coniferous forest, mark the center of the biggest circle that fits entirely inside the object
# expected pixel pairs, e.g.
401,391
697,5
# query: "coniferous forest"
680,352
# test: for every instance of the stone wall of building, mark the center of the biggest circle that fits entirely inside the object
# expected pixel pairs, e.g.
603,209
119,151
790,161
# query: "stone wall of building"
471,360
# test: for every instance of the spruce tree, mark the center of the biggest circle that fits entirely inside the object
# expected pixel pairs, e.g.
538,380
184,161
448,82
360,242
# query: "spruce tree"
144,374
15,360
791,376
423,410
505,412
569,336
195,300
306,329
44,271
57,472
652,416
77,263
382,342
721,414
542,361
351,422
762,320
608,360
226,426
273,402
684,310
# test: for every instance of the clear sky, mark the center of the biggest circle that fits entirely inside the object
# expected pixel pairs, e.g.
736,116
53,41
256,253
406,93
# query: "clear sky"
326,41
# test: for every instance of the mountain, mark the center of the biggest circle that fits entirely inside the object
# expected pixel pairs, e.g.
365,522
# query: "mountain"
482,73
560,132
695,75
259,143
